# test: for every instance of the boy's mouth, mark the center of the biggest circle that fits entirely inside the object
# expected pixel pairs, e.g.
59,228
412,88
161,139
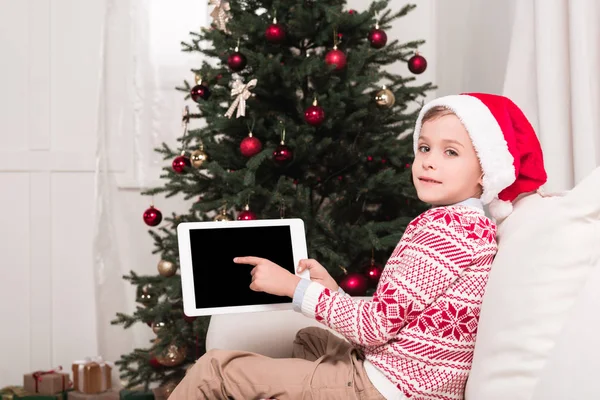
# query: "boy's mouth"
428,180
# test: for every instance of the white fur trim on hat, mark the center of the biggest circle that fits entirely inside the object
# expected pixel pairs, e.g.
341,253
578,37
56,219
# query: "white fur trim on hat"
500,209
487,137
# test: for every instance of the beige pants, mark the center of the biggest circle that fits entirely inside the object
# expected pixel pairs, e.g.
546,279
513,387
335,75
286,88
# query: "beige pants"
322,366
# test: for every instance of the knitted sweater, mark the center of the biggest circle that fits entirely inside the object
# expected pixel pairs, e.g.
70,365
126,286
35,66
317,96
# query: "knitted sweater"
420,327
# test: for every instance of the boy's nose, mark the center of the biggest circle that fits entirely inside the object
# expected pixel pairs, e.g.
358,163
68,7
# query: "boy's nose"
428,163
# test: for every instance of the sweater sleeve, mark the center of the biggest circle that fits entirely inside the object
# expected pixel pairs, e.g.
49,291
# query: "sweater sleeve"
419,270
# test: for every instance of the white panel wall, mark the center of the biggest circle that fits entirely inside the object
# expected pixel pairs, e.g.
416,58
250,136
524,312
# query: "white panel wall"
48,76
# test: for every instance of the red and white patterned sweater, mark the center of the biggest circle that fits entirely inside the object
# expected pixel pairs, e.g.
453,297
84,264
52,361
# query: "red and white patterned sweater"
420,327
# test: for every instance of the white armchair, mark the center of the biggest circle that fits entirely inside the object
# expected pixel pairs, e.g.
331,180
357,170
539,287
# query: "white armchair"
538,331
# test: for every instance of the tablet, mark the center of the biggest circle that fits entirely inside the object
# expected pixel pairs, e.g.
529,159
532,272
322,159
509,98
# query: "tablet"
212,283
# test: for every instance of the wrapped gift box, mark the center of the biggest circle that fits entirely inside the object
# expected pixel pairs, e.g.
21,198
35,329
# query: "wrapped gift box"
92,375
46,382
107,395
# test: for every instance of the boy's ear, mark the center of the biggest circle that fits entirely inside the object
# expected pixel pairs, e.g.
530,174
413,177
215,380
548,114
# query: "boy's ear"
480,180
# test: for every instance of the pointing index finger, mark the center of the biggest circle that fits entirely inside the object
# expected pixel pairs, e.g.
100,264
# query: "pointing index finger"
247,260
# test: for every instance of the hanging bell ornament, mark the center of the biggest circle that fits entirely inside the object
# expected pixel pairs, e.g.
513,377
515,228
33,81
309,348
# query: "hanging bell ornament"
385,98
198,157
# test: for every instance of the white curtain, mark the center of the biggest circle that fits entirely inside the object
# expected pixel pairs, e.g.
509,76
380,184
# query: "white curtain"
553,73
140,108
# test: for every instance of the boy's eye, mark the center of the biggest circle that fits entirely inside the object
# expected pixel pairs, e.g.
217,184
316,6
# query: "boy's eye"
423,149
451,152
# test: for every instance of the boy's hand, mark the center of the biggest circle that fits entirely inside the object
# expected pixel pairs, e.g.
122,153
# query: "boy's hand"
318,273
269,277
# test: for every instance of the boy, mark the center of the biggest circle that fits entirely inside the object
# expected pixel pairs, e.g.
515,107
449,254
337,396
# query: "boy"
415,338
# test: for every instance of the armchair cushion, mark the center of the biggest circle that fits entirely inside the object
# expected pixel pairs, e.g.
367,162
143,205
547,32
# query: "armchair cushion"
547,250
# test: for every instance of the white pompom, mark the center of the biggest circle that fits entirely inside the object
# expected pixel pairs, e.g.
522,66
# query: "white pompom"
500,209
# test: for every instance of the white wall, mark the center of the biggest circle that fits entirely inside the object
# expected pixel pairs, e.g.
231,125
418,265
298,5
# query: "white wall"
49,111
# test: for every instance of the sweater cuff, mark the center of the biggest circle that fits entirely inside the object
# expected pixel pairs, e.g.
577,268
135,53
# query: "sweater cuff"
311,298
299,294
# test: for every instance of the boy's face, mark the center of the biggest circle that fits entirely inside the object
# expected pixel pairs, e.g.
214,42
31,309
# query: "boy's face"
446,169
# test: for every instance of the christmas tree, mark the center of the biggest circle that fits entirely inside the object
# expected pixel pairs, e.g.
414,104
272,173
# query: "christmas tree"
300,119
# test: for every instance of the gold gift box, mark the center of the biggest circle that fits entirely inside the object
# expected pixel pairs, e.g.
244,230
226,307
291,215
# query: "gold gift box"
92,376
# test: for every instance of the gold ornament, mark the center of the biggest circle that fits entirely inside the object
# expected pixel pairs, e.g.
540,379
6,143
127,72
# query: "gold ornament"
166,268
157,326
172,356
385,98
198,157
222,216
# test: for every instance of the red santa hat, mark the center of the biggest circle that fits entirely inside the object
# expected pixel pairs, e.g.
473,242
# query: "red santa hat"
508,148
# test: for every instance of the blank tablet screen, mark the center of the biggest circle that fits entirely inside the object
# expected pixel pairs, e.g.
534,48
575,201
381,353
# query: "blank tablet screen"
218,281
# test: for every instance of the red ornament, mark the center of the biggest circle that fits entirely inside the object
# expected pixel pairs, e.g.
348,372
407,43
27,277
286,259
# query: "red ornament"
351,11
336,57
250,146
154,363
373,272
246,214
200,92
180,163
354,284
377,37
152,216
283,154
314,114
417,64
275,33
236,61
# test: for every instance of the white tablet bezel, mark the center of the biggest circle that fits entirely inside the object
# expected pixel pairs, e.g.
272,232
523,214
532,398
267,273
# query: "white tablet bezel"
299,249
